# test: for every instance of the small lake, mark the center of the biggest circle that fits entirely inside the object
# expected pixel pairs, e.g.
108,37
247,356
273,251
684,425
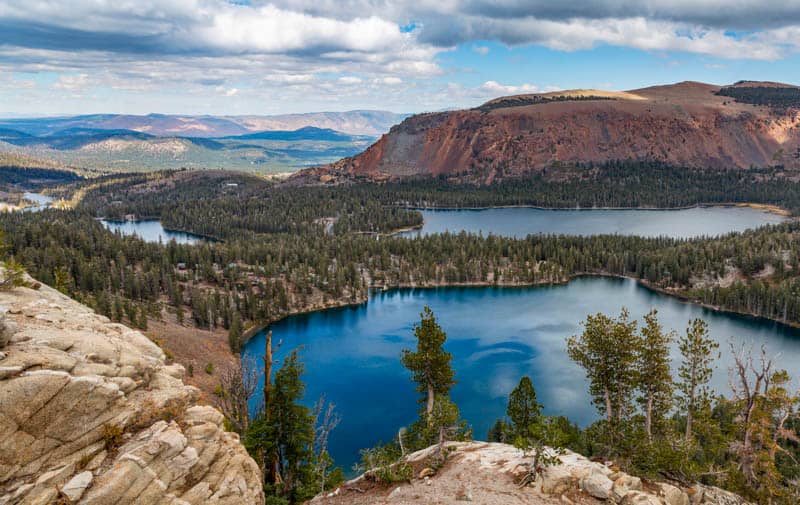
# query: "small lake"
496,335
151,230
522,221
41,201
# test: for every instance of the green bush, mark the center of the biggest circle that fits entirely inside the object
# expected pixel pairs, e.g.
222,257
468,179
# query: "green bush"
386,464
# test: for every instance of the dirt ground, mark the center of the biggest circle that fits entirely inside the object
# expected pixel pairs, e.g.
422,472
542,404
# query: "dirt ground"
195,348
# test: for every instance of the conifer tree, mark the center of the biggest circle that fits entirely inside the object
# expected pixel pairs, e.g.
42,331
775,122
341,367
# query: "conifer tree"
430,363
653,371
607,351
523,409
697,350
235,333
286,435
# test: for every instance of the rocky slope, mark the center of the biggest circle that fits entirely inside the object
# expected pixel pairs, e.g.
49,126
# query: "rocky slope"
685,123
91,413
489,474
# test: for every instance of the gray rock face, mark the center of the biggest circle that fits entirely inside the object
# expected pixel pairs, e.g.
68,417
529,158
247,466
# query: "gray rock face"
714,496
91,413
640,498
74,489
623,484
597,485
673,495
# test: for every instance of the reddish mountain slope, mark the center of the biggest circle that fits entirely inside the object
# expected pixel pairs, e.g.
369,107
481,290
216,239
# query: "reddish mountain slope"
685,123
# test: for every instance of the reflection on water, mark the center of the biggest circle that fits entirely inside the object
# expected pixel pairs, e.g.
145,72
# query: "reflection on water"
496,335
151,230
522,221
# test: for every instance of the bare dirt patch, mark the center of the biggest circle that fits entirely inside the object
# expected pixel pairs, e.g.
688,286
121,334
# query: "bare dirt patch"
194,349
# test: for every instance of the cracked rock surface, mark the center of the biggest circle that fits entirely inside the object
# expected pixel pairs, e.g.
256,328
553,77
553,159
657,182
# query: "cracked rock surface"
91,413
489,474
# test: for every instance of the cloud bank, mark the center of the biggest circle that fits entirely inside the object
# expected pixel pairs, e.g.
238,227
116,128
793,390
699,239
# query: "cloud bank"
286,49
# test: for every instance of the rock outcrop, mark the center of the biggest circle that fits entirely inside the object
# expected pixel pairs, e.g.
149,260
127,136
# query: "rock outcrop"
684,124
91,413
489,474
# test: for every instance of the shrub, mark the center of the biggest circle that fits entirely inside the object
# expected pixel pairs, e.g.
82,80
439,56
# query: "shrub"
13,275
385,463
112,436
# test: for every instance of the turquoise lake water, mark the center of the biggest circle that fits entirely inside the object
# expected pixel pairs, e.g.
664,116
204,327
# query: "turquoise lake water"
496,335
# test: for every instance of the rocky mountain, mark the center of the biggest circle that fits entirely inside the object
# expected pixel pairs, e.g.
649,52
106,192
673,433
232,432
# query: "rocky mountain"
357,122
689,123
490,474
92,413
110,150
354,122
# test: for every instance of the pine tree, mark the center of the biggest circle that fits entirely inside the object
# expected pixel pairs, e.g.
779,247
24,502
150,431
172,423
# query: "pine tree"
286,435
654,374
235,333
607,351
499,432
523,409
697,350
430,363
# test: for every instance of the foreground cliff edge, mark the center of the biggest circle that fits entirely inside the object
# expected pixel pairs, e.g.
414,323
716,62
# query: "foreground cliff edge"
91,413
489,474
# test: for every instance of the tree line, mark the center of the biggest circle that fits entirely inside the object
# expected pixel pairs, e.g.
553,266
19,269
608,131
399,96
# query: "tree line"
261,279
772,96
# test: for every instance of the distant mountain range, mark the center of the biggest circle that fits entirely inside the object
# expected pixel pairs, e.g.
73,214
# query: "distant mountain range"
357,122
117,149
689,123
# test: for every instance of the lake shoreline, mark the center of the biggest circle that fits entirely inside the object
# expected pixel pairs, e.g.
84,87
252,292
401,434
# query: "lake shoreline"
200,236
252,331
772,209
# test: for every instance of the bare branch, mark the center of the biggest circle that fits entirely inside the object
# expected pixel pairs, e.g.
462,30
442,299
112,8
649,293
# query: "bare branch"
237,385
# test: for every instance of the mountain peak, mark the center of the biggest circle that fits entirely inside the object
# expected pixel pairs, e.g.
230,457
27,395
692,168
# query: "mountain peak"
509,136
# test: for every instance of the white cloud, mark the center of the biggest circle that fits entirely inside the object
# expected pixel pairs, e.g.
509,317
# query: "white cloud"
290,78
497,88
288,53
389,81
77,82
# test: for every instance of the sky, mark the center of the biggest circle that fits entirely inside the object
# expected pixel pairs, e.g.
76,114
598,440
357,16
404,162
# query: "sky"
223,57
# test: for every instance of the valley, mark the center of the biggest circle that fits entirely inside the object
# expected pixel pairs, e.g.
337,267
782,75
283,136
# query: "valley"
109,151
359,252
335,263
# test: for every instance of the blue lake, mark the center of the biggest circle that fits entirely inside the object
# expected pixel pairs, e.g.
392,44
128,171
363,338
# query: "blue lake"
41,201
496,335
151,230
523,221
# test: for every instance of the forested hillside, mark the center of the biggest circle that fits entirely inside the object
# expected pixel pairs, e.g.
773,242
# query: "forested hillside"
283,247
